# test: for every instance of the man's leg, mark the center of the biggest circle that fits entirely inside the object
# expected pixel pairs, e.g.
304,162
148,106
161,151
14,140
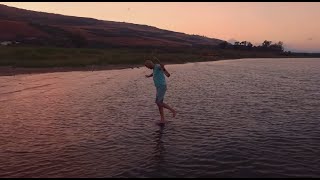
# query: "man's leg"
159,100
160,106
168,107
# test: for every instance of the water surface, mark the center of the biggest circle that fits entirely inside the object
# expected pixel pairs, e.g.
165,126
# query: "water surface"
239,118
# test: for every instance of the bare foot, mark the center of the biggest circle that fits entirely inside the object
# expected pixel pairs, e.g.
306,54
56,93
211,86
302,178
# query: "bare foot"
174,113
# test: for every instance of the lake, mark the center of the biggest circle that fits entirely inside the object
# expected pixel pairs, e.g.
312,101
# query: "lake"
235,118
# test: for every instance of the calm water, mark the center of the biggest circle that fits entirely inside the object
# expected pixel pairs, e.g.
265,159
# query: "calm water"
241,118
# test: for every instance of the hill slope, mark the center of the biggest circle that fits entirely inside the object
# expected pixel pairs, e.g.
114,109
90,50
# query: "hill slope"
39,28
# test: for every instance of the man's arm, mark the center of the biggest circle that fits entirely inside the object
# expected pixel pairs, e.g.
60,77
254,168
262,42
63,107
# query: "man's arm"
162,67
149,75
165,70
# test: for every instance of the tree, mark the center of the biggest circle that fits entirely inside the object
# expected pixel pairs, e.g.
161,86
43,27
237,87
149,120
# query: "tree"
266,44
277,46
280,45
244,43
249,45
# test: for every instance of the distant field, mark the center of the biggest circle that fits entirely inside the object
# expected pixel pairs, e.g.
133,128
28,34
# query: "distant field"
72,57
65,57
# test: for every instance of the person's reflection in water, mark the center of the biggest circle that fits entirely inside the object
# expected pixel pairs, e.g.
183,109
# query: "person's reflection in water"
159,145
159,152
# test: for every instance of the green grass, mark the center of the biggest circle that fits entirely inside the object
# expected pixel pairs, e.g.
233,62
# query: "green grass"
69,57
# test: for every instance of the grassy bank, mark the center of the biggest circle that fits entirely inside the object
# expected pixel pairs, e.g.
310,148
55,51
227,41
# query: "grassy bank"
62,57
44,57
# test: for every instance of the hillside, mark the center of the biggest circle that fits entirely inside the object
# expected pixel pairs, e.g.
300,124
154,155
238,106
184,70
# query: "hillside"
40,28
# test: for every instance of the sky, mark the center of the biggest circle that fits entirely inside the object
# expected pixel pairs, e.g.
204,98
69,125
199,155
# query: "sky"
296,24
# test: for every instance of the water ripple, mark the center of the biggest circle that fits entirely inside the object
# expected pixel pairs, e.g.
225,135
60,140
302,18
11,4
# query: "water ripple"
243,118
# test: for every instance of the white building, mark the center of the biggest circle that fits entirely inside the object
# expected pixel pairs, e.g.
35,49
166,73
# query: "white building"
5,43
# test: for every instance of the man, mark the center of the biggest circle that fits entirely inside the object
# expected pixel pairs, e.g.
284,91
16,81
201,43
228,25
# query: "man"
160,82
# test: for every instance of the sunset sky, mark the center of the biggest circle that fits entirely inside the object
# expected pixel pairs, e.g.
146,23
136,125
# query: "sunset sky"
296,24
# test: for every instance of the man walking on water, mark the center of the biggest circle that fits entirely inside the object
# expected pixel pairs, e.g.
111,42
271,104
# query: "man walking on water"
160,82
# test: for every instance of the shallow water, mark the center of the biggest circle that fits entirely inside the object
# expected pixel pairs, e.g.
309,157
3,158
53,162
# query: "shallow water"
239,118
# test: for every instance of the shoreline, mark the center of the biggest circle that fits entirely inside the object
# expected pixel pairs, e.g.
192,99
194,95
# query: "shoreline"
12,71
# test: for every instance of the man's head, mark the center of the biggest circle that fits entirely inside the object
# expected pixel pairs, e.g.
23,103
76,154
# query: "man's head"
149,64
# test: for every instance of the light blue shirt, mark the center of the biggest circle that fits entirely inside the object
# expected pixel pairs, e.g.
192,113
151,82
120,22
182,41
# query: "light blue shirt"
158,76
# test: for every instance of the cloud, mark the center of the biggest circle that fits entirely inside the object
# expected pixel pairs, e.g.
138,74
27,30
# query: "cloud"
309,39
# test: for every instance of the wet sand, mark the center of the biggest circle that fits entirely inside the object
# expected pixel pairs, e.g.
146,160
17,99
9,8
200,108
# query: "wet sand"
11,71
